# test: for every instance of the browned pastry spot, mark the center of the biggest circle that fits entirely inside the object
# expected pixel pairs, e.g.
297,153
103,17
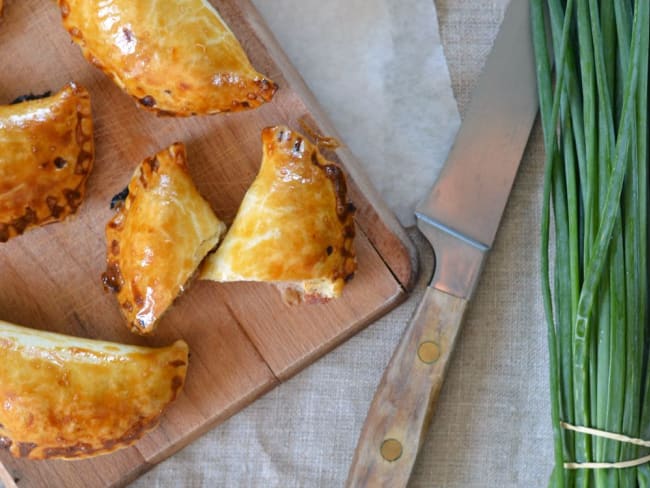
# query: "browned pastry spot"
322,142
30,96
112,278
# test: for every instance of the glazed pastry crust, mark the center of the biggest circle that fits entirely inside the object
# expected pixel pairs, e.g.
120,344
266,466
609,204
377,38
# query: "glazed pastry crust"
64,397
46,154
157,239
174,57
294,227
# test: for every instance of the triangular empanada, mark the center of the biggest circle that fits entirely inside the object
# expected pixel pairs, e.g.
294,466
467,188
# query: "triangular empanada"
46,154
64,397
176,57
162,231
294,228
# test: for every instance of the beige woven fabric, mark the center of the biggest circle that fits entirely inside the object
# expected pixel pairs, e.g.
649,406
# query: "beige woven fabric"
492,425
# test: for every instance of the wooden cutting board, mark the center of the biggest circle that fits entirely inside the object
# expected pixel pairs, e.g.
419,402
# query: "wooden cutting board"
243,340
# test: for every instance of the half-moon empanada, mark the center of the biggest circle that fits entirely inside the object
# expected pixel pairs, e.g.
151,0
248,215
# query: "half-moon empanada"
64,397
176,57
46,154
162,231
294,227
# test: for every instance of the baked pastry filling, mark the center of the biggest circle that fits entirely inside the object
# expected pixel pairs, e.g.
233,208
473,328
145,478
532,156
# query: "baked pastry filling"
161,232
64,397
295,226
175,57
46,154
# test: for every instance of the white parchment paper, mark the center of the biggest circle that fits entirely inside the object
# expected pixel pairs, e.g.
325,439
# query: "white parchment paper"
378,69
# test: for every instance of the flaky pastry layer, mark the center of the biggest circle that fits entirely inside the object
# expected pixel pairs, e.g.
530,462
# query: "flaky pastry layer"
295,226
46,154
158,237
174,57
71,398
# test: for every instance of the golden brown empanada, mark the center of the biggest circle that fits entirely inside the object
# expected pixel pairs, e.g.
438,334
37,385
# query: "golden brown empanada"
64,397
46,154
294,227
159,236
176,57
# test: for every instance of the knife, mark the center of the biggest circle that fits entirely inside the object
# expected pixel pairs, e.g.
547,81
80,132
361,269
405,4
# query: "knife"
459,217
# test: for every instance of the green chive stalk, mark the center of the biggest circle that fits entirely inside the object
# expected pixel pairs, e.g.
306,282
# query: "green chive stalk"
592,70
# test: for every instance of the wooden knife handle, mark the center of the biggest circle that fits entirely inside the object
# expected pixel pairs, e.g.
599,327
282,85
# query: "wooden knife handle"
401,409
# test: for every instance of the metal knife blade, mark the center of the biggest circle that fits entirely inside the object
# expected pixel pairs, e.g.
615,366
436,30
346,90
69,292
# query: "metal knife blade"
460,218
470,195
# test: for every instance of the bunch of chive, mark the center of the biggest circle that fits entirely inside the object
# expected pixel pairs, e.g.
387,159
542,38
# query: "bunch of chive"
594,108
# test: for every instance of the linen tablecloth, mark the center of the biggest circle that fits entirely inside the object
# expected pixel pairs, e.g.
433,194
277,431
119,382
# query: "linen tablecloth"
492,424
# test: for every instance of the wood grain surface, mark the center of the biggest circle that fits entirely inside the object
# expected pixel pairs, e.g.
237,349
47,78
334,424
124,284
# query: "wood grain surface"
243,339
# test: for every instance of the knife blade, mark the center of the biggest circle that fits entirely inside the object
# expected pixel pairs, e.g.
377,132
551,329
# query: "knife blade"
459,217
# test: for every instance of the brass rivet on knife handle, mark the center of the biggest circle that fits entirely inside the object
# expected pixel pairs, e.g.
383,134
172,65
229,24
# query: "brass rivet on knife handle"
391,450
429,352
398,417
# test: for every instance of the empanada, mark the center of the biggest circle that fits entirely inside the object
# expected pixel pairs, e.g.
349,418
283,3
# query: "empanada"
294,227
64,397
176,57
46,154
159,236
